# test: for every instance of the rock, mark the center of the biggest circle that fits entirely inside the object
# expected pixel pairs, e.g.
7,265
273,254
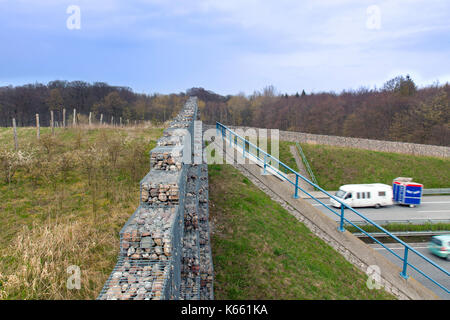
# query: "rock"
147,242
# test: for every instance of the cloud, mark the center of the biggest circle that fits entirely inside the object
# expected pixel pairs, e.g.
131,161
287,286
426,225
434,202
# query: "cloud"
236,44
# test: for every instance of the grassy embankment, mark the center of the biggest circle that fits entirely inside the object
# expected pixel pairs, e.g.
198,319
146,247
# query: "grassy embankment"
63,203
334,166
260,251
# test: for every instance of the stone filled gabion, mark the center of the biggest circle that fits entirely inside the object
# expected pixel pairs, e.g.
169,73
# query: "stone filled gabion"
166,160
148,234
160,194
165,246
206,273
170,141
136,280
174,132
161,188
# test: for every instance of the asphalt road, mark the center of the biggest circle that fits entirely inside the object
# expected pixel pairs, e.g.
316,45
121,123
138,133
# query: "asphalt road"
422,265
435,208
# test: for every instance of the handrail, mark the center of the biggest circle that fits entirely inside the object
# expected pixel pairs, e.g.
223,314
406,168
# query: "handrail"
233,137
305,161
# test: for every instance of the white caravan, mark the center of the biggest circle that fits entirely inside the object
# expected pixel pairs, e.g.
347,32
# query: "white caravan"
364,195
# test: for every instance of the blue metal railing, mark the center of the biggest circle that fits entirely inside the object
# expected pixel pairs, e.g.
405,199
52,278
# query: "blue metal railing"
268,160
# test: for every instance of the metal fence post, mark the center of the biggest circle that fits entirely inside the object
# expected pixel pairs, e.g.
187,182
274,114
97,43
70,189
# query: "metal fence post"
405,264
296,187
341,224
265,163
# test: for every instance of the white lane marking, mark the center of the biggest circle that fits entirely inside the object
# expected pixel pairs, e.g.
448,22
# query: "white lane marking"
435,202
401,248
434,211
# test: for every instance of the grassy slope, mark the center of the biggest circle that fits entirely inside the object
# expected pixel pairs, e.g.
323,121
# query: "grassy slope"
335,166
52,218
260,251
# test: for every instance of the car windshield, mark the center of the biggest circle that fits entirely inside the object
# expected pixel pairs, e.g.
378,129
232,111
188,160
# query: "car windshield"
340,194
436,241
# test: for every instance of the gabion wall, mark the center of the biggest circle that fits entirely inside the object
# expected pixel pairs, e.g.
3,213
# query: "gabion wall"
165,250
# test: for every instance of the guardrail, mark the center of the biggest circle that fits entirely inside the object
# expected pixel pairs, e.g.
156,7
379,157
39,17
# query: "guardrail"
267,160
305,161
436,191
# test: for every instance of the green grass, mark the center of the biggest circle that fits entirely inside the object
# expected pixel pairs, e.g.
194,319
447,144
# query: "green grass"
398,227
260,251
335,166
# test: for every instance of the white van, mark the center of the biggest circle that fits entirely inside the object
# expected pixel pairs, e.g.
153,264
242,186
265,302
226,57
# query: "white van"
364,195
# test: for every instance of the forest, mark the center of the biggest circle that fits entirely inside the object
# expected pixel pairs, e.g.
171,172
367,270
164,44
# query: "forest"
24,102
398,111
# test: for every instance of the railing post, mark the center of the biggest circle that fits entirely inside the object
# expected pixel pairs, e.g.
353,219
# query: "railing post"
265,163
296,187
341,223
405,264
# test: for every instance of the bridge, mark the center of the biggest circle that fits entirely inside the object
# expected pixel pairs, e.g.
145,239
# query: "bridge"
165,246
284,183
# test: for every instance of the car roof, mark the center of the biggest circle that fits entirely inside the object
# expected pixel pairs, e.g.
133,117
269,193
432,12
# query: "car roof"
367,185
444,237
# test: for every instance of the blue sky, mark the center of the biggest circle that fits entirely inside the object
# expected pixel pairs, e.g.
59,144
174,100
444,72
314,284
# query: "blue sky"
227,46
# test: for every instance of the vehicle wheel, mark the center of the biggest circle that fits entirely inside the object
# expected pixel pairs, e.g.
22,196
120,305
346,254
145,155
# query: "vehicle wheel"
377,206
448,257
411,206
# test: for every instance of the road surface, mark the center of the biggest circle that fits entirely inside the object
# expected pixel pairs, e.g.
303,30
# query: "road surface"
421,264
434,208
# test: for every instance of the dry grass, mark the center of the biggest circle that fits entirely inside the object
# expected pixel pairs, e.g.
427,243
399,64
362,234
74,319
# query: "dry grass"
66,206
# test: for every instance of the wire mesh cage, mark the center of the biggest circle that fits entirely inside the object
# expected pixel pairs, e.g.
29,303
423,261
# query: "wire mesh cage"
138,280
170,141
166,158
165,248
163,188
152,234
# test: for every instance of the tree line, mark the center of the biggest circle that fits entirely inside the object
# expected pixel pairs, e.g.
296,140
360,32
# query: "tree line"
24,102
399,111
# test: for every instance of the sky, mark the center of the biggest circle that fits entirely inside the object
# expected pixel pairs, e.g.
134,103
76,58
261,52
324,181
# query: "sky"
227,46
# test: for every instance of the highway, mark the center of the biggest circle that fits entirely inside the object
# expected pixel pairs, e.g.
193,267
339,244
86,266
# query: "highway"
432,208
435,208
421,264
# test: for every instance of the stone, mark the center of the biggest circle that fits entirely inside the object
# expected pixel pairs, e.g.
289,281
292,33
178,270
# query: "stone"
147,242
158,241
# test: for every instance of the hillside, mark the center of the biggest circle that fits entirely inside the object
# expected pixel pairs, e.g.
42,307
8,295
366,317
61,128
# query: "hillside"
260,251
